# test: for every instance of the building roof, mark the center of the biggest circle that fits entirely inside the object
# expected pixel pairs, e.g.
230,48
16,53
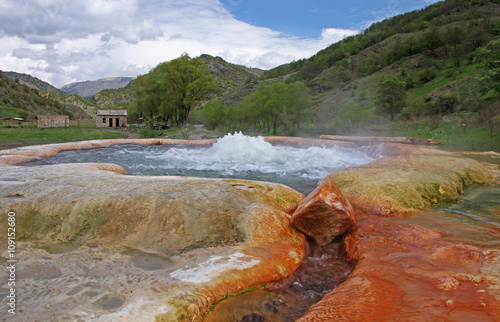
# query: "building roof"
111,112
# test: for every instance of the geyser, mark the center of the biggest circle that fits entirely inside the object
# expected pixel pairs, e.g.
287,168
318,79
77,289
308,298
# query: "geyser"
233,156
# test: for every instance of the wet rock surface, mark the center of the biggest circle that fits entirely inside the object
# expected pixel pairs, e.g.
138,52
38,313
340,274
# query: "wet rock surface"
401,184
324,214
95,244
322,270
414,263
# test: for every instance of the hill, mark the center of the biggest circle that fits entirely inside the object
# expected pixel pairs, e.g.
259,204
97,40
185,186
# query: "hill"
431,50
33,82
88,88
115,96
26,97
235,81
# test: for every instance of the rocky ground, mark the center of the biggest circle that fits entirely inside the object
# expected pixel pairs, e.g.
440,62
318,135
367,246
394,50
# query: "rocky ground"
93,243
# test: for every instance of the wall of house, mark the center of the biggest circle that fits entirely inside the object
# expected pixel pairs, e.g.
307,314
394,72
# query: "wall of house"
116,121
53,121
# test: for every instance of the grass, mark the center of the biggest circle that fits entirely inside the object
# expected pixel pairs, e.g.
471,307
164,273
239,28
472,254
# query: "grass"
29,135
8,111
452,136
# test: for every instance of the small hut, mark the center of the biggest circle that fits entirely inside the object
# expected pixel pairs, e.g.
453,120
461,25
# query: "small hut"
111,118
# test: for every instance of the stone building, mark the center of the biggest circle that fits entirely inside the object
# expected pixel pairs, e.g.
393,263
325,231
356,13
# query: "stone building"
111,118
53,121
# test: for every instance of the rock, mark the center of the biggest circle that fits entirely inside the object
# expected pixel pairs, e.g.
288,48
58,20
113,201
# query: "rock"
408,268
324,214
401,185
370,139
207,238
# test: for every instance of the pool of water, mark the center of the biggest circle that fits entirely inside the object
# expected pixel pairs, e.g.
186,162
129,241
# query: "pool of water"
233,156
474,220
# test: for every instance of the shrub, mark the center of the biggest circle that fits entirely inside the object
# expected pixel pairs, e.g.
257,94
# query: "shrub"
445,103
427,75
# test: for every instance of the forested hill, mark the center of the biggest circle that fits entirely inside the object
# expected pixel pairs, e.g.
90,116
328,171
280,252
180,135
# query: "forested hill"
444,58
234,81
448,29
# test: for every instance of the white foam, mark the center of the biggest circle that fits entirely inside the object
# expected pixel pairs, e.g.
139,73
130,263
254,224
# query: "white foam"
213,267
237,153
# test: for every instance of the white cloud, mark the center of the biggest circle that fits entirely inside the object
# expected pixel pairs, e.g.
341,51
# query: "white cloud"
67,41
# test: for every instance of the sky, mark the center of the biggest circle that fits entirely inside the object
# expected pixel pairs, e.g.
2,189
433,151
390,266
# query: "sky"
65,41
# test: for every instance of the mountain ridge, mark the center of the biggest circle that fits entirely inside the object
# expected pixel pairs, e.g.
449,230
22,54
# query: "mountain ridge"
87,89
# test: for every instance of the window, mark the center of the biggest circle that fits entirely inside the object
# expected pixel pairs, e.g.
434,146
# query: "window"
103,120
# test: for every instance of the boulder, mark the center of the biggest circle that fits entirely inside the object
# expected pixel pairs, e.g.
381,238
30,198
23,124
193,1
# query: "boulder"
324,214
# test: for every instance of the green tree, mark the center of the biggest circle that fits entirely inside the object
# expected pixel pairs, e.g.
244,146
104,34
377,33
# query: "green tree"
488,60
372,64
410,46
432,39
455,35
276,105
148,96
173,88
445,103
392,96
23,114
427,75
298,103
215,114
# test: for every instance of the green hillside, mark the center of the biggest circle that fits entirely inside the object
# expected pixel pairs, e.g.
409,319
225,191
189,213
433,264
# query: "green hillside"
21,97
107,98
432,51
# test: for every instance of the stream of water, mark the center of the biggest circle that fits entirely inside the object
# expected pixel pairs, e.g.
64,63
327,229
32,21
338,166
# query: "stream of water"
322,270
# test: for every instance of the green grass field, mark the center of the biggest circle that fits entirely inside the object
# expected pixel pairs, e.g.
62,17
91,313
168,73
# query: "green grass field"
29,135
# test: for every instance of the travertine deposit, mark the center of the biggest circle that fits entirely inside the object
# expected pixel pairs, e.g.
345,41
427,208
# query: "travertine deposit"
94,243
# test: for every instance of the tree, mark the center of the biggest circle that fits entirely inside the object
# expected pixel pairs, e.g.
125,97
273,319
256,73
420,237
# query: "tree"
432,39
215,114
392,96
276,105
372,64
488,60
427,75
445,103
173,88
298,103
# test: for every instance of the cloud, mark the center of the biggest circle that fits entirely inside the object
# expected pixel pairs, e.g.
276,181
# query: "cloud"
66,41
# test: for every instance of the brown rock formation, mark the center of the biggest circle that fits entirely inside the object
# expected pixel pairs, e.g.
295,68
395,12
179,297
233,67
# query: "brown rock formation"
417,178
408,269
324,214
169,218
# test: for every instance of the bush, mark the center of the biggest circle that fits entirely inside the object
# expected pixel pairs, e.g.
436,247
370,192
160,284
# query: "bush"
148,132
445,103
427,75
